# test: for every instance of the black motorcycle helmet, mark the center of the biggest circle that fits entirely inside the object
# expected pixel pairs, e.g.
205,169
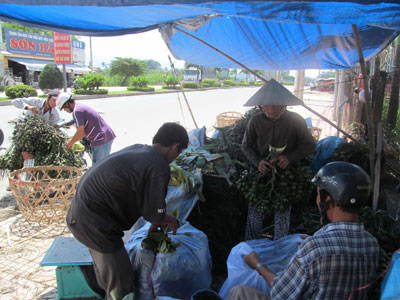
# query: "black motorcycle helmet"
348,185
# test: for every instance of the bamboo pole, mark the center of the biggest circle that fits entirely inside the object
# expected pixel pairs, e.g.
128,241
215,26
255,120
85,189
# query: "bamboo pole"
183,93
264,80
367,104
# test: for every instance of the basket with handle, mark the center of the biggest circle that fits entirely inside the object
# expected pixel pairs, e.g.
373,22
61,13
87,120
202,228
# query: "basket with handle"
228,118
44,193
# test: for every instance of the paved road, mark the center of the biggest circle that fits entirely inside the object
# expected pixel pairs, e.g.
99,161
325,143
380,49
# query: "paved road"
135,119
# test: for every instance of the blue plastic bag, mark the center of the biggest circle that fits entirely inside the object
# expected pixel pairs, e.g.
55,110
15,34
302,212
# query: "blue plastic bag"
274,254
324,151
178,274
390,288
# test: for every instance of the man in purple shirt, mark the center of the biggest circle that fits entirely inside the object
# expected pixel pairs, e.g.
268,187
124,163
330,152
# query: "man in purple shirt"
88,123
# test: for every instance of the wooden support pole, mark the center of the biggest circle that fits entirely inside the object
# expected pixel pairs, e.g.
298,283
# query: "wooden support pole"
377,167
264,80
183,93
370,124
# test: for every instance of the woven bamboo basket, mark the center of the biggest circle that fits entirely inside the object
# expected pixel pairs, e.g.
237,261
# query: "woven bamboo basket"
44,193
228,118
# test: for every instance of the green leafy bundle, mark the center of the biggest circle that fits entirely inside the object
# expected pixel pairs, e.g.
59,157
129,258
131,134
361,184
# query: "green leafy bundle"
158,242
354,153
276,189
42,140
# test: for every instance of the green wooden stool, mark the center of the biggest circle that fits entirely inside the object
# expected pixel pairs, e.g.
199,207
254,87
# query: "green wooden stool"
69,255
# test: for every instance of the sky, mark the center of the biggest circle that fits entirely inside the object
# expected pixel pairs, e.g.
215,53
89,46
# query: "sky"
147,45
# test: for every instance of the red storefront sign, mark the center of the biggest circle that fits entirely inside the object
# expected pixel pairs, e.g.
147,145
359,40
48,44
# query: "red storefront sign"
62,48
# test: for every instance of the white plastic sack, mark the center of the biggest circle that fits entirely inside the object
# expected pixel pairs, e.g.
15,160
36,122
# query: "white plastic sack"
178,274
274,254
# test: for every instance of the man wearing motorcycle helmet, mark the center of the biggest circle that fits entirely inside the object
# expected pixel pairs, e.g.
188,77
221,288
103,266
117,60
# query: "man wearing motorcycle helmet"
88,123
339,258
44,108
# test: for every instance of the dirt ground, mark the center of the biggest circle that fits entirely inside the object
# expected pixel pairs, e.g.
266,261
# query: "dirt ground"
22,248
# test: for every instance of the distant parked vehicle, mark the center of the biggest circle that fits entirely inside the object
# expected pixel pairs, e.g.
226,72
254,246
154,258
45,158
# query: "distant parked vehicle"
323,84
191,75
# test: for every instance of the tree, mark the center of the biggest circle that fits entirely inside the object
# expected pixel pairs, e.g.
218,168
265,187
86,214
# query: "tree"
29,29
127,67
153,65
233,72
50,78
394,94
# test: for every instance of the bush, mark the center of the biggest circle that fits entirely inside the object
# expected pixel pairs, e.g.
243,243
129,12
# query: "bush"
139,81
156,78
242,83
170,81
206,83
140,89
20,91
50,78
90,81
114,80
166,87
2,88
190,85
229,83
258,83
91,92
287,82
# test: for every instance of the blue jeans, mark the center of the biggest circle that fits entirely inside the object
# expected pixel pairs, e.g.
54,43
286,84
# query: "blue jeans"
99,152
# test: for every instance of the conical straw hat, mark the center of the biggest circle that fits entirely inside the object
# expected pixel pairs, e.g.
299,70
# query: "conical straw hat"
273,93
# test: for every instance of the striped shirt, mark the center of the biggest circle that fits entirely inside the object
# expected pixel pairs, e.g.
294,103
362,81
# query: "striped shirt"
339,258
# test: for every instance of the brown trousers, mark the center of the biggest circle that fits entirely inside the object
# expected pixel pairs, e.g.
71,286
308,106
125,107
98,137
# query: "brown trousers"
114,273
245,292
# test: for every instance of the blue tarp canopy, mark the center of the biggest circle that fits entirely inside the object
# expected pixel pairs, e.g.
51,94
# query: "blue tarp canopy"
260,34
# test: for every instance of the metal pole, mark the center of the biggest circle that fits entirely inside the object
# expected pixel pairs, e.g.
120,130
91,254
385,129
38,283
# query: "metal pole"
367,104
264,80
64,77
91,53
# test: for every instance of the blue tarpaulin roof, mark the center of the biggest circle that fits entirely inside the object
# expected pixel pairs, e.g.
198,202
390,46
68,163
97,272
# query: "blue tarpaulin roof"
259,34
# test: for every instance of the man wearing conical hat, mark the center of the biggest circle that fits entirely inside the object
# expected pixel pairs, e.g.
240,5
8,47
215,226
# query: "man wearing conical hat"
276,130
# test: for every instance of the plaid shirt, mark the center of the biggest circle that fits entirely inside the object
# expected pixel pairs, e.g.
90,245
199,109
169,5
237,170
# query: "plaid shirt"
338,259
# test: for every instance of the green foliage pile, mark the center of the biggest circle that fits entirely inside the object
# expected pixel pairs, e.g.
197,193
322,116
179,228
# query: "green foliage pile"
50,78
20,91
158,242
44,141
90,81
276,189
353,153
382,227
